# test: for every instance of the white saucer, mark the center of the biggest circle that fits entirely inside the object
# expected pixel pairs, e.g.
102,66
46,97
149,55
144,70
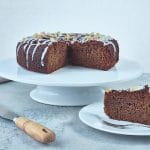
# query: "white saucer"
71,85
92,116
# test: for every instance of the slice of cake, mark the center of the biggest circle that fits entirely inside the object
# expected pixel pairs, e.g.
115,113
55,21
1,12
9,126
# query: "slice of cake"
129,105
47,52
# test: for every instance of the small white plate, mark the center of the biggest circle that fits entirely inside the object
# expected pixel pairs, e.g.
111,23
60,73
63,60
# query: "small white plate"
92,116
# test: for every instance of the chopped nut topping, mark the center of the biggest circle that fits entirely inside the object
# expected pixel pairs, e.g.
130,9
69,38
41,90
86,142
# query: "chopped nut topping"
108,90
71,37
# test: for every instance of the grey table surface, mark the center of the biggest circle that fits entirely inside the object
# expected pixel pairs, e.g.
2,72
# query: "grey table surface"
71,133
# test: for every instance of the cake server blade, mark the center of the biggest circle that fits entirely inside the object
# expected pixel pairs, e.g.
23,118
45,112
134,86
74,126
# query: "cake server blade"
7,114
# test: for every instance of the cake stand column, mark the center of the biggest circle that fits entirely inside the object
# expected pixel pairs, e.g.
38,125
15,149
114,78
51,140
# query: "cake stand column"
67,96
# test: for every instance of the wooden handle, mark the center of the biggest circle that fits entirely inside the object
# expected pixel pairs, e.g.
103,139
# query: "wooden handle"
35,130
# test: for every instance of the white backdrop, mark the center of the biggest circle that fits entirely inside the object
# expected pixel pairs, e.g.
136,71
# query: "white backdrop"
126,20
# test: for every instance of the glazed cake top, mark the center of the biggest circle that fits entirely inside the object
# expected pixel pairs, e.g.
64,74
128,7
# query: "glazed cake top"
131,89
48,39
71,37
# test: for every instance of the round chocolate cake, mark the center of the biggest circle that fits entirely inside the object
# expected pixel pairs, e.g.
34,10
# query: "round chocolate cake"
47,52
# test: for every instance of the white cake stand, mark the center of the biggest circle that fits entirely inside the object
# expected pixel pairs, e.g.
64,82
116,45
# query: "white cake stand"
70,86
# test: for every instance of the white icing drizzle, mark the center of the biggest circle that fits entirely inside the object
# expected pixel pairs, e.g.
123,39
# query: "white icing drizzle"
107,41
110,42
43,55
35,49
82,38
45,41
26,42
25,46
136,88
27,55
18,48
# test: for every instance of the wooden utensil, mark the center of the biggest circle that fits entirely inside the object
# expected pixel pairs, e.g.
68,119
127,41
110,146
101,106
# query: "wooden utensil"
32,128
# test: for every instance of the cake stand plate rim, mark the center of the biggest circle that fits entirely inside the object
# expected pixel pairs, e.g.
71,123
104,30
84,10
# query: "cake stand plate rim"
11,70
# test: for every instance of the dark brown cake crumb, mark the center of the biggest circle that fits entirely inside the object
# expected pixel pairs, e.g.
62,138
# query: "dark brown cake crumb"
133,106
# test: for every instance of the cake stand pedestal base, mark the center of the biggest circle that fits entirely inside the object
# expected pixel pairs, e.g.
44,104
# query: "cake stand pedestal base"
66,96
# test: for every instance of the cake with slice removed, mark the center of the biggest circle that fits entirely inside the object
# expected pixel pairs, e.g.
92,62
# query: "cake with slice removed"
47,52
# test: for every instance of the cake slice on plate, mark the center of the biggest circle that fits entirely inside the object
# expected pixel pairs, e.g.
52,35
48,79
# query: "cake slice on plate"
129,105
